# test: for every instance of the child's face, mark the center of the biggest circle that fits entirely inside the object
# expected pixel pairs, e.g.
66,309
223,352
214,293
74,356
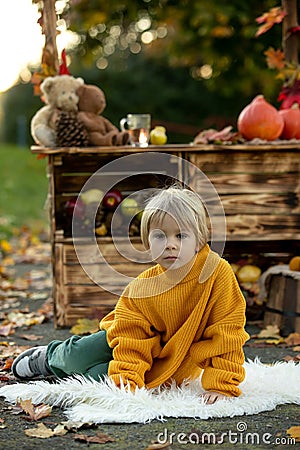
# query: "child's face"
171,245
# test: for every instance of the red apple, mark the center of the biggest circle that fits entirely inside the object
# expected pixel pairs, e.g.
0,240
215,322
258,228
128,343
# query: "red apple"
74,207
112,199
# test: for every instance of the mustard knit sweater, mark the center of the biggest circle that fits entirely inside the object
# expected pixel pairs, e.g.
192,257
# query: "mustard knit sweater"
163,330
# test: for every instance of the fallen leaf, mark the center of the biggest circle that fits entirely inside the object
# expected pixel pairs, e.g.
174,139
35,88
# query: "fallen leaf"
7,365
85,326
30,337
294,432
35,412
6,330
2,424
157,446
43,432
72,425
100,438
296,349
271,331
293,339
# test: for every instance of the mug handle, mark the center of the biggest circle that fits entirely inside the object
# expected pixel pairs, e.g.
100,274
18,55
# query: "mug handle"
122,124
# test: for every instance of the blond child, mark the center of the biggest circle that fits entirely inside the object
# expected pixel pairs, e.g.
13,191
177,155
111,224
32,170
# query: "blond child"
182,318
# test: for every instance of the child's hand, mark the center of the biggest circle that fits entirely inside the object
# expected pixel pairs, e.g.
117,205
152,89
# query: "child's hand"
211,397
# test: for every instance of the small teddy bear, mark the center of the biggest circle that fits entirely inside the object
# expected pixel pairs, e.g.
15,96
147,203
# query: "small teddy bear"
60,94
100,130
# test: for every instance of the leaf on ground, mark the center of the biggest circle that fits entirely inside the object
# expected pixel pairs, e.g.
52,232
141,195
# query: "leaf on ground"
6,330
100,438
295,358
270,332
157,446
2,424
293,339
43,432
35,412
294,432
71,425
85,326
30,337
7,365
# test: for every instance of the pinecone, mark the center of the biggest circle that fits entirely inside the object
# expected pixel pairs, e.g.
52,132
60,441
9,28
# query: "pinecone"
70,132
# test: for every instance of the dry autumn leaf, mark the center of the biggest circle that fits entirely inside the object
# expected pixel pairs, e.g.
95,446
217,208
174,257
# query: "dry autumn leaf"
85,326
35,412
43,432
270,332
157,446
294,432
293,339
100,438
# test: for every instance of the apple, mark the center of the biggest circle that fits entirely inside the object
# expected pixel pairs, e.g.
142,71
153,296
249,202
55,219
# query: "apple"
92,196
112,199
129,207
74,207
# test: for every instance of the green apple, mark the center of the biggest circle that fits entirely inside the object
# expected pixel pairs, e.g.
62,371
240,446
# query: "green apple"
129,207
91,196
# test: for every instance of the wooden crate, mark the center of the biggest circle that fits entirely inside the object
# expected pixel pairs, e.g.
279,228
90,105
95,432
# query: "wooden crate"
259,187
88,289
283,303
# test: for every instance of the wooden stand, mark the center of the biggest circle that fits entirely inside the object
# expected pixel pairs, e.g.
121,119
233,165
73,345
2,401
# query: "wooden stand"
259,187
283,306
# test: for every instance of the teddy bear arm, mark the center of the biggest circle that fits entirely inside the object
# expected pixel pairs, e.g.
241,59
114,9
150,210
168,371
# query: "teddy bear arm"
42,133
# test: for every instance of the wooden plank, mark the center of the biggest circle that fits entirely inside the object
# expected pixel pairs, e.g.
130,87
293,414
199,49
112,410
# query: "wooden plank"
278,147
243,227
105,250
259,203
245,183
244,162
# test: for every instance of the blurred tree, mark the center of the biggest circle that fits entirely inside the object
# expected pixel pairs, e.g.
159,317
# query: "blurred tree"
193,64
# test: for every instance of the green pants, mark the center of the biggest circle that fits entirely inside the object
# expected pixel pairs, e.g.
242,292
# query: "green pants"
85,355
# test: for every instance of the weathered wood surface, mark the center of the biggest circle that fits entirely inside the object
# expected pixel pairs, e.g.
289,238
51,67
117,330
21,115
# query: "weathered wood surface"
283,305
259,187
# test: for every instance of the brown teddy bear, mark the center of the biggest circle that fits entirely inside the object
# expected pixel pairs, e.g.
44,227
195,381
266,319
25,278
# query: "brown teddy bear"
60,94
100,130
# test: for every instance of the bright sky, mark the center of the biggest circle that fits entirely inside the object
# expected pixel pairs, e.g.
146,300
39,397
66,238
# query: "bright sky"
21,40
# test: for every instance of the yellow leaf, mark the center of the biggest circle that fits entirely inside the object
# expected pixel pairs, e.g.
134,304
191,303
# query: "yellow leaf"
5,246
85,326
274,341
294,432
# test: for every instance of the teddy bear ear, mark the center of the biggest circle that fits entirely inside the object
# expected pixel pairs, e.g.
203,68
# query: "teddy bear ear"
47,85
80,81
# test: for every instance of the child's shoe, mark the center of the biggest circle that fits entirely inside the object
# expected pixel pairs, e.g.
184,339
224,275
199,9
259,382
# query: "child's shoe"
31,363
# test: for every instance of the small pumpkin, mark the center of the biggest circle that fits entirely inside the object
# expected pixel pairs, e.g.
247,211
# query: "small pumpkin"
291,118
294,263
260,120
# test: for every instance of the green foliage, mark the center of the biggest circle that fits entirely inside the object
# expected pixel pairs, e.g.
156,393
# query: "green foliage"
23,189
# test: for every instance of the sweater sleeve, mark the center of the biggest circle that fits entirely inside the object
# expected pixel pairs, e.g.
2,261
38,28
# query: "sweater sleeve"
219,351
134,344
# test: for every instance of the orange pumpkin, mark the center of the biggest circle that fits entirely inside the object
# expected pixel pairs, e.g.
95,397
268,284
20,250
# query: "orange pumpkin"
294,263
260,120
291,118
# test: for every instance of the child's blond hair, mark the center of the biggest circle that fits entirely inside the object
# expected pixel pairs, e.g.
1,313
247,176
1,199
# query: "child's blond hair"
184,205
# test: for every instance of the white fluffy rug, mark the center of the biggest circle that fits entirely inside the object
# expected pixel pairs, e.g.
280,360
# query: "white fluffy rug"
264,387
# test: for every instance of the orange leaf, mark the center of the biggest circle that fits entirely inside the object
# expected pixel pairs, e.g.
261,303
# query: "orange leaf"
293,339
268,19
35,412
294,432
275,58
